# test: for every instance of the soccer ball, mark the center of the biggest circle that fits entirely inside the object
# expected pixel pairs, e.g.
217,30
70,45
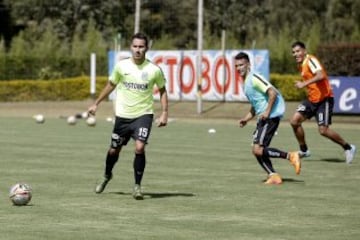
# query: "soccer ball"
71,120
84,114
91,121
39,118
20,194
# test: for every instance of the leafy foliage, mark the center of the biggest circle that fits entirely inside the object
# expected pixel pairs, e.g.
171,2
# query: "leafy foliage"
51,31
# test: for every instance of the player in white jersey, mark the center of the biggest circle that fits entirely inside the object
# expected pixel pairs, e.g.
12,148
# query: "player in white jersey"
268,104
133,79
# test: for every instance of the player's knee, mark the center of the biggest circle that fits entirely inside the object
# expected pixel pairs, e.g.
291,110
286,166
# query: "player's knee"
257,152
323,131
295,123
140,149
113,151
297,120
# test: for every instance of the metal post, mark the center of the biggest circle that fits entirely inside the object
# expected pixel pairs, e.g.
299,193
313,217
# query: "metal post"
199,56
223,37
92,75
137,16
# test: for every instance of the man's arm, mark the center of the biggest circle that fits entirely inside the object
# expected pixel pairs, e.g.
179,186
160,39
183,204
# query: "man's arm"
164,107
104,93
250,115
319,75
271,92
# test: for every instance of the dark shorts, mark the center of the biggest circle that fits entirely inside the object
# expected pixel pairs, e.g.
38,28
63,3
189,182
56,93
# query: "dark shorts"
322,110
137,129
265,130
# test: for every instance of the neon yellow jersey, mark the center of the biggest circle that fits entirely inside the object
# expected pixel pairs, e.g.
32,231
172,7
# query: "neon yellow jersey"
134,90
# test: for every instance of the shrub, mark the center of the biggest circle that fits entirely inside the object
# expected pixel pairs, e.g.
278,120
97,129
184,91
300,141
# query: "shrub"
44,90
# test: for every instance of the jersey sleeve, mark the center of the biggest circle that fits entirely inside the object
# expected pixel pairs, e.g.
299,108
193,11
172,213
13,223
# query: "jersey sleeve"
314,65
115,75
160,78
260,83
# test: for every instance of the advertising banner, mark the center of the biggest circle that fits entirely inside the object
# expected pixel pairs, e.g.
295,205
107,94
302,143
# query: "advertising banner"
220,80
346,94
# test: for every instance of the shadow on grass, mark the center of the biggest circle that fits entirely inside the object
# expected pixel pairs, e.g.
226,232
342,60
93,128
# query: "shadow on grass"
209,109
292,180
332,160
289,180
158,195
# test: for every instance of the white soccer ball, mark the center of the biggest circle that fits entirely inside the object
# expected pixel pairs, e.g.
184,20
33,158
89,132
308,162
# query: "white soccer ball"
84,115
91,121
39,118
20,194
211,130
71,120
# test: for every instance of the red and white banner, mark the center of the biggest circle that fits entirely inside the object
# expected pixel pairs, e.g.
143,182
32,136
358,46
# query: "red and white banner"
220,80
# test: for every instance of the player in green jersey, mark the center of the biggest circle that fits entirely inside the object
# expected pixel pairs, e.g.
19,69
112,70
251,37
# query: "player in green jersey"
133,79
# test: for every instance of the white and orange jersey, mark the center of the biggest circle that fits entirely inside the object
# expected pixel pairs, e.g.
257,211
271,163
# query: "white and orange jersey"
320,90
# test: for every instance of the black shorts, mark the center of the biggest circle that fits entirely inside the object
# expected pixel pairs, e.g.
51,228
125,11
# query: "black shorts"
265,130
137,129
322,110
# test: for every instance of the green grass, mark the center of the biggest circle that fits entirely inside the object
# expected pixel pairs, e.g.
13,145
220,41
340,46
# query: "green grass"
197,185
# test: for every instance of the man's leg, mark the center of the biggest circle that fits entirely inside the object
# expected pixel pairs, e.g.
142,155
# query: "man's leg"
139,168
111,159
296,124
335,137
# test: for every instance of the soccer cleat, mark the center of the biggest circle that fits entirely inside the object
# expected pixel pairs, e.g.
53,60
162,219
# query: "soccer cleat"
100,188
273,179
350,154
137,192
304,154
294,158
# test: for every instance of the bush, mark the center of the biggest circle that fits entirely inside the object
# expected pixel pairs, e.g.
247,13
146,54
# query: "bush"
285,84
44,90
340,59
79,88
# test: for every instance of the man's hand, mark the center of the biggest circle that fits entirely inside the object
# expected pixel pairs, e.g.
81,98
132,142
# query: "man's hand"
300,84
242,122
92,109
163,119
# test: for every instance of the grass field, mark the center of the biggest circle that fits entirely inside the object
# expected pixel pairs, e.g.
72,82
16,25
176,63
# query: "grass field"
197,185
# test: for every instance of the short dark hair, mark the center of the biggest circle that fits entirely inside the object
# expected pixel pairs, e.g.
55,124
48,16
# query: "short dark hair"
298,43
242,55
141,36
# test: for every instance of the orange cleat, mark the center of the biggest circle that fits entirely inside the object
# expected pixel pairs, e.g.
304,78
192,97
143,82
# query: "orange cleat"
274,179
294,159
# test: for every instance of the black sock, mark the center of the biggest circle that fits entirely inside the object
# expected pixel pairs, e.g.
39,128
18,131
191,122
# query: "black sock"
266,164
303,148
346,146
110,162
274,153
139,166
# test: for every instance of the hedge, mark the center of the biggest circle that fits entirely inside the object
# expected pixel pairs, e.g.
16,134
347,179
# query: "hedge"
48,90
79,88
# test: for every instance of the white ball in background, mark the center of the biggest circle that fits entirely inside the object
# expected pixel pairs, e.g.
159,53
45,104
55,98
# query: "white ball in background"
211,130
91,121
39,118
85,115
71,120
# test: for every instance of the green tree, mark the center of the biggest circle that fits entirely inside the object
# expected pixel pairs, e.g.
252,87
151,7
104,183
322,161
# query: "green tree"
342,20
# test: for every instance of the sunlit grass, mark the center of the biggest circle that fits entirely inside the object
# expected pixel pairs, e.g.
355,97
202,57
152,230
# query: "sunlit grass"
197,185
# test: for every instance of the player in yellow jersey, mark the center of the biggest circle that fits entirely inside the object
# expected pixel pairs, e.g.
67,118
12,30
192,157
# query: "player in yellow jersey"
319,102
133,79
